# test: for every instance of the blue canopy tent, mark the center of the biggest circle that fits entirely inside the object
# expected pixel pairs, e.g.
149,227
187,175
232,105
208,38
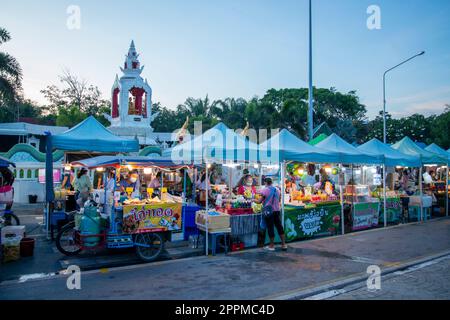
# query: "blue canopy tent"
89,135
392,157
434,148
116,161
218,144
285,146
348,154
408,147
438,150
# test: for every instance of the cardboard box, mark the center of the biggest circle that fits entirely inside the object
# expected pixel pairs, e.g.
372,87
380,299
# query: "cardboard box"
12,231
219,221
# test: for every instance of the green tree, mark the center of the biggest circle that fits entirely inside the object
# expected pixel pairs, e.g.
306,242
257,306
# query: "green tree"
440,129
69,117
10,81
76,92
230,111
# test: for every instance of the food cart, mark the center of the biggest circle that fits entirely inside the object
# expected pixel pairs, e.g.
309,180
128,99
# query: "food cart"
133,217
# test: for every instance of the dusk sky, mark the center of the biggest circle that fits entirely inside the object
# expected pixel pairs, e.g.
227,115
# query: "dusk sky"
240,48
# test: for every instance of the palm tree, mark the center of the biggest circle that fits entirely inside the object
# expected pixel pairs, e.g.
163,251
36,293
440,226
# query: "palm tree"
198,107
231,111
10,73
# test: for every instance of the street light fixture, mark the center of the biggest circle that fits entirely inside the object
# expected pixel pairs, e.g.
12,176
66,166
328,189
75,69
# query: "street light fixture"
384,90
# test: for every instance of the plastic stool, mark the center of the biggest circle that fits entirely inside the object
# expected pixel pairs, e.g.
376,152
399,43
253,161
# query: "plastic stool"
214,242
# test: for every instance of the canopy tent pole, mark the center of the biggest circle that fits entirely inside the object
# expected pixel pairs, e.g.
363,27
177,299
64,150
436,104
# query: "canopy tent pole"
384,195
206,205
283,174
194,184
446,192
341,194
421,193
49,192
184,185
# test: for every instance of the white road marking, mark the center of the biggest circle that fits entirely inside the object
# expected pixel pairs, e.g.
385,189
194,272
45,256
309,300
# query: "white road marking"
326,295
33,276
421,266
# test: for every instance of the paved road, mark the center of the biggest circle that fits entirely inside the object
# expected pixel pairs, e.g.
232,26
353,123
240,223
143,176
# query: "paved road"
252,274
430,280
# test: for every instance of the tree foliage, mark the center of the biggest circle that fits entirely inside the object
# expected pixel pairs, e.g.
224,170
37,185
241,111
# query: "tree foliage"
10,80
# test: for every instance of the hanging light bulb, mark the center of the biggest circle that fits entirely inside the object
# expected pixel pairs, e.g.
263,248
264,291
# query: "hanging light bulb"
147,170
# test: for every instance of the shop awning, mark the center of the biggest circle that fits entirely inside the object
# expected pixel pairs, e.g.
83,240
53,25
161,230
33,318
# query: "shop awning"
5,162
408,147
91,135
218,144
434,148
348,154
285,146
392,157
117,161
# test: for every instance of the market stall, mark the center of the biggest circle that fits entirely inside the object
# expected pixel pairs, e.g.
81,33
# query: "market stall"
360,207
218,146
132,213
421,201
440,186
386,192
88,136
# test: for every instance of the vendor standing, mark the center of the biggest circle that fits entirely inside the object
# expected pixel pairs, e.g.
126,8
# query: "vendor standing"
247,187
82,186
131,181
155,183
68,180
309,178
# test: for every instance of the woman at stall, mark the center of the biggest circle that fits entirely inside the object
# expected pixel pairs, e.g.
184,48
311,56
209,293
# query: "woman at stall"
203,188
69,177
82,186
271,198
247,188
309,178
6,187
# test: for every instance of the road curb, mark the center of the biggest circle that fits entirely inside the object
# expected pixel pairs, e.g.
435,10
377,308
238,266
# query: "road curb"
351,280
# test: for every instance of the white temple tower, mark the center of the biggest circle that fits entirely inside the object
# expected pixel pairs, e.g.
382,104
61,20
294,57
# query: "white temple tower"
131,102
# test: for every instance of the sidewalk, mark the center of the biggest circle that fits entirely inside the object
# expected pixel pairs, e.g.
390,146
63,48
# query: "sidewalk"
252,274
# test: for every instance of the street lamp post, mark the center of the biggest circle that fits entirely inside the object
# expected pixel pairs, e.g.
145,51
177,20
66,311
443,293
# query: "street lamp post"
310,90
384,90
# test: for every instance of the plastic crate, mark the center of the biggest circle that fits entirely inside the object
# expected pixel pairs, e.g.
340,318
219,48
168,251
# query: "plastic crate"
237,211
189,215
249,240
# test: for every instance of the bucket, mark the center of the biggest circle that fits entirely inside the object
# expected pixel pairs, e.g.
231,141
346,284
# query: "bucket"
27,247
32,198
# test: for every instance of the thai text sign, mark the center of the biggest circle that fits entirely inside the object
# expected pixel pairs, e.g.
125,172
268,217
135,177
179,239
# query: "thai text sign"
151,217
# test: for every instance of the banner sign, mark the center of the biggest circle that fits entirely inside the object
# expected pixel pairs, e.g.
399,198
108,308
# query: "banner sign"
151,217
365,215
302,223
393,210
